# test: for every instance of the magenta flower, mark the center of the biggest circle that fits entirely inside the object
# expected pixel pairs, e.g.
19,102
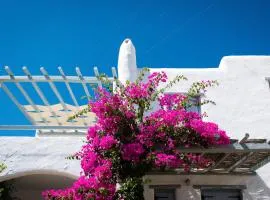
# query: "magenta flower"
107,142
126,142
132,152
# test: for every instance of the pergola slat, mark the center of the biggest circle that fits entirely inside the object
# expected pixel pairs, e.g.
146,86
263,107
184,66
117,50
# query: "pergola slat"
231,148
218,162
97,75
70,92
234,166
260,164
16,102
26,96
114,73
35,127
244,139
83,83
54,89
40,93
70,79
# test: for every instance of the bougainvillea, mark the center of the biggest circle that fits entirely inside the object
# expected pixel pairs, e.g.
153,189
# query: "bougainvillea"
128,140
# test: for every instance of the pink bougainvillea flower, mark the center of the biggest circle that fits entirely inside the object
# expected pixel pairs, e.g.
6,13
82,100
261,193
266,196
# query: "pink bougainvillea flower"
126,142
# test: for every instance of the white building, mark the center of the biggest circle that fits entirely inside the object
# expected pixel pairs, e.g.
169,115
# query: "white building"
243,106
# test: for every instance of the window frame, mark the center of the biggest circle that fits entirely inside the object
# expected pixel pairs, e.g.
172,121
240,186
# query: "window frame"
170,188
197,97
170,191
238,188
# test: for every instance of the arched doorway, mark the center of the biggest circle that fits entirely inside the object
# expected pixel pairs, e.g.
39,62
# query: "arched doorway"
30,187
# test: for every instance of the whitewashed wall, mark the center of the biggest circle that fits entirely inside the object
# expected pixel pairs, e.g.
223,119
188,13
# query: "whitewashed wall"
39,155
243,106
243,97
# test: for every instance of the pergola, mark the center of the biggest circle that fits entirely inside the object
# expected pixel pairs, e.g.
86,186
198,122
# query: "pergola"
239,157
47,118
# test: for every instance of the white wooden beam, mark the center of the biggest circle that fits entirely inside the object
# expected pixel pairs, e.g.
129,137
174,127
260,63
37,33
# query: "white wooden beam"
234,166
244,139
16,102
70,79
70,92
83,83
228,148
38,127
40,93
97,76
260,164
54,89
114,73
24,93
217,163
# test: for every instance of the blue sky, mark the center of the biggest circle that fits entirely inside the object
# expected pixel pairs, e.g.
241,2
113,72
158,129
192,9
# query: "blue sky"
190,33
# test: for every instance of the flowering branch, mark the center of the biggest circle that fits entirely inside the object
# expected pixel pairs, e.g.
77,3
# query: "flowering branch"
126,143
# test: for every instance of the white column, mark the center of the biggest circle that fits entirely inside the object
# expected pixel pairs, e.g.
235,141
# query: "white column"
127,68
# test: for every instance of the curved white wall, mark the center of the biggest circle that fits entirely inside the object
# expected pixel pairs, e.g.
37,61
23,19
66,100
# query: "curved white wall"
36,155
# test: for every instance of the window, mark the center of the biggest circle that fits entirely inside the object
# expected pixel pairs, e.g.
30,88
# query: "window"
221,194
164,194
194,104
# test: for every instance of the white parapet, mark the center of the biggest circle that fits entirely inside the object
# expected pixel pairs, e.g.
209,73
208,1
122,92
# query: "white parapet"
127,67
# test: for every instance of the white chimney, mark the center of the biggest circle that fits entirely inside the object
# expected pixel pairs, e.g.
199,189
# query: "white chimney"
127,68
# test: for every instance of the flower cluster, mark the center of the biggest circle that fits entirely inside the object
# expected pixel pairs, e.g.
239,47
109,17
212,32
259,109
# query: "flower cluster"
166,160
172,101
132,152
125,143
